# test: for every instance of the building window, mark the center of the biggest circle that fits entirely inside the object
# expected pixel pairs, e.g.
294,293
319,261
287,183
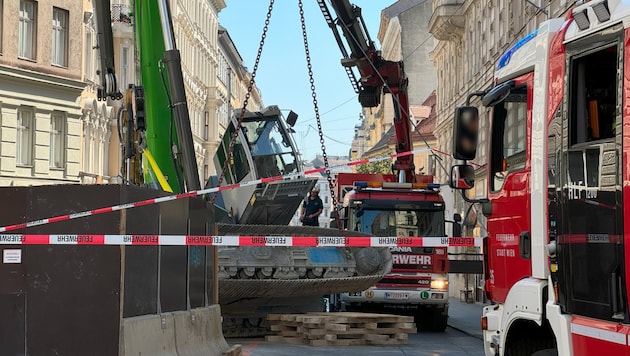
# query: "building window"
124,68
1,22
60,37
27,30
89,60
57,142
206,116
24,139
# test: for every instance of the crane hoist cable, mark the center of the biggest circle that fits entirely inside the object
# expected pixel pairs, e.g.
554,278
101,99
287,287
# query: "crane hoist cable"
309,65
230,153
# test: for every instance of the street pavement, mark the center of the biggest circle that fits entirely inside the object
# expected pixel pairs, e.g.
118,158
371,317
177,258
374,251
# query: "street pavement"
465,317
463,337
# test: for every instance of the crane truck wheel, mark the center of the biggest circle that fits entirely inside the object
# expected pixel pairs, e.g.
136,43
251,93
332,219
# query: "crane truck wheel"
434,319
439,319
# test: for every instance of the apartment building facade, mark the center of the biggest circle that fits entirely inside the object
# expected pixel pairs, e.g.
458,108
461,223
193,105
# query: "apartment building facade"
233,80
470,38
100,145
196,26
40,86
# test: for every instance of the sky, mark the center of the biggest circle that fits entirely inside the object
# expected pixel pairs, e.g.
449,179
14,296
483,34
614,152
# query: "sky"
282,75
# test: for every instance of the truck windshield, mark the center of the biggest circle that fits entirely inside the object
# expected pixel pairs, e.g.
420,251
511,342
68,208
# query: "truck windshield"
270,146
379,222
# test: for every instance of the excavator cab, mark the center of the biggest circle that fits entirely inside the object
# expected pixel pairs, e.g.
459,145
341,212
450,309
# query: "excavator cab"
264,148
271,147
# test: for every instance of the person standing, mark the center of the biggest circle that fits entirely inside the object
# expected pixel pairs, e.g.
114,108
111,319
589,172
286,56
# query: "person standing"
311,208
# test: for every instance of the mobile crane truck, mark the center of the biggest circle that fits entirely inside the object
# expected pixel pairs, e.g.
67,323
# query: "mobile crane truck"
401,204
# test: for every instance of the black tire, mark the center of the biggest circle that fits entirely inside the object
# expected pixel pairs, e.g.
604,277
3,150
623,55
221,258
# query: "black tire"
431,319
439,319
528,346
420,317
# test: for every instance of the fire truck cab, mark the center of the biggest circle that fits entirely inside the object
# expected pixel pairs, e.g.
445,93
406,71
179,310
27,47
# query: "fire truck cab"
558,170
418,282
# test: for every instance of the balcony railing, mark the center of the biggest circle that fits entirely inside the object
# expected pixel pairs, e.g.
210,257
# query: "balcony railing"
121,13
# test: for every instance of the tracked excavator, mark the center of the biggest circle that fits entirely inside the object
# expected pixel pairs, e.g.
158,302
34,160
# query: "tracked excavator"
256,281
398,204
158,150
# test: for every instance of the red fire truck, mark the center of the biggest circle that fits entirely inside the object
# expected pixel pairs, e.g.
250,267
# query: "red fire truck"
555,261
418,281
399,205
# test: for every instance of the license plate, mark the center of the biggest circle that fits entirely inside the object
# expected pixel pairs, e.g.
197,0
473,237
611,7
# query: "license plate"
396,295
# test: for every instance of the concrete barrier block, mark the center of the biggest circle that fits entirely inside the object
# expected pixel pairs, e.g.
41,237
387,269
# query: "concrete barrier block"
148,335
198,332
215,327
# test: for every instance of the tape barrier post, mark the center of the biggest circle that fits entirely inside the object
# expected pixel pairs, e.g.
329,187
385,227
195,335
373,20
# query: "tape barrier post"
213,240
194,193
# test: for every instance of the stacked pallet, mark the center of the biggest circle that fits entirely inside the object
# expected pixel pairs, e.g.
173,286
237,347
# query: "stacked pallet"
341,329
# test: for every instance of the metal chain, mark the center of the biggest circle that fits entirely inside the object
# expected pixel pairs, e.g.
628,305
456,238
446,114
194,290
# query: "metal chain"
230,152
331,185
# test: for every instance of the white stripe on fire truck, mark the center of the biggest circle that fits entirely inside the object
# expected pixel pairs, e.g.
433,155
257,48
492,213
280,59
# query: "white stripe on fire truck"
599,334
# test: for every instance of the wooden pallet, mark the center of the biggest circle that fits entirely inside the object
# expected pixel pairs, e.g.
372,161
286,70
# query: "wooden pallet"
341,329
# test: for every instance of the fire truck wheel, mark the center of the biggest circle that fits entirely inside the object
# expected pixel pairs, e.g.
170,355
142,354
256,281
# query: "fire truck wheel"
547,352
527,347
525,338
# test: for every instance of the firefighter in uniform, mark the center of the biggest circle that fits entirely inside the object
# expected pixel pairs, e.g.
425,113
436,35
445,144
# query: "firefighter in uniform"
311,208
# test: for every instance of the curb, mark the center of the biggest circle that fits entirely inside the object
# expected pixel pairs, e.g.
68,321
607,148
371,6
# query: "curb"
465,331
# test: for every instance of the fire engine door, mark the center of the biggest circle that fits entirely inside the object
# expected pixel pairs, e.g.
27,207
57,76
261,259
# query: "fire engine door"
508,225
585,143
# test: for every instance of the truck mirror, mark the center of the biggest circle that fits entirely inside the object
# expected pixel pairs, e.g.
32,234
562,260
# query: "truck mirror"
292,118
497,94
462,176
465,132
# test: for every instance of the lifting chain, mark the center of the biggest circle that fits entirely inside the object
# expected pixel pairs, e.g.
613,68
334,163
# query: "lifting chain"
331,186
230,152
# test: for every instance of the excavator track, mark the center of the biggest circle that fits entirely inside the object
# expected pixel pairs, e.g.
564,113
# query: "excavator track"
294,278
